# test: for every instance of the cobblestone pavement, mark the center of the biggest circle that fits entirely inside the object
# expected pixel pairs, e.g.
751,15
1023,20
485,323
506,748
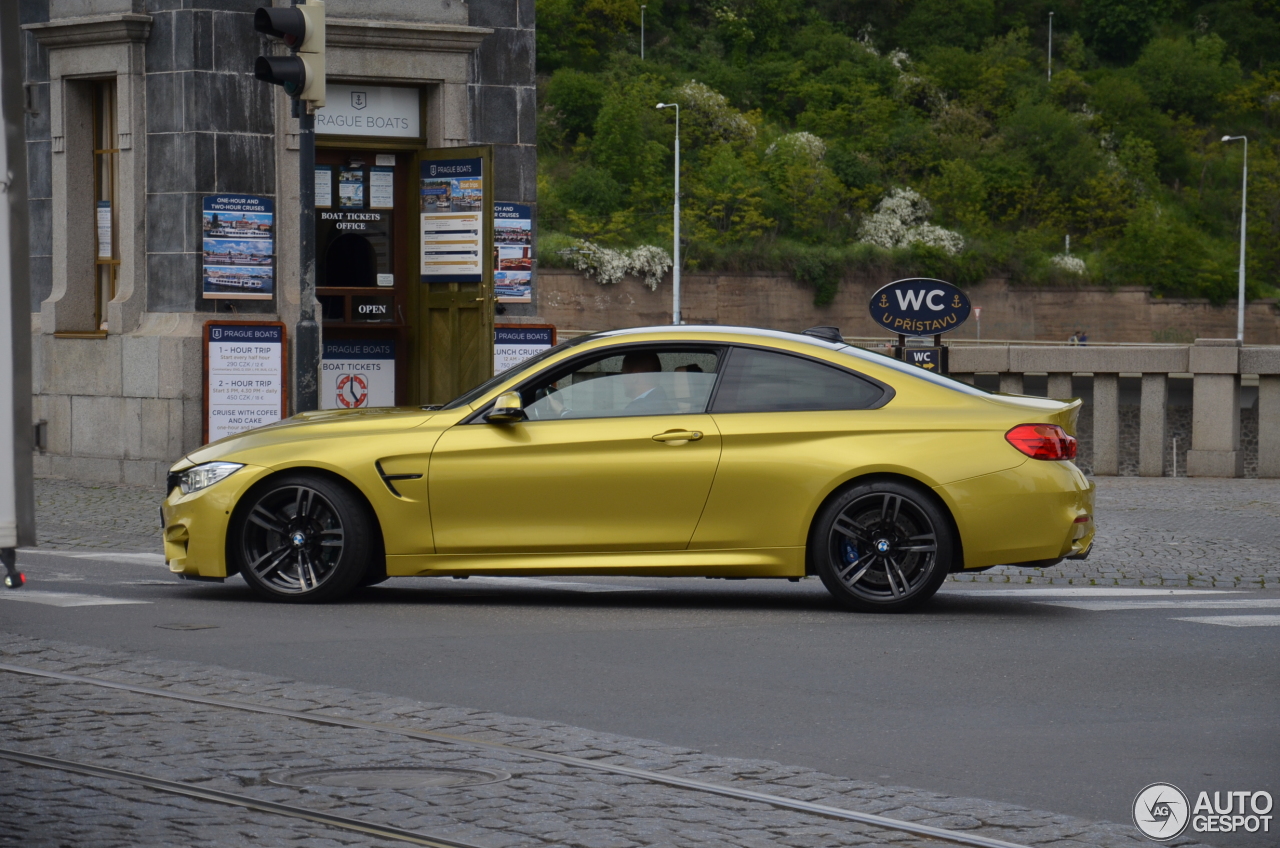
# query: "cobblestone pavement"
93,516
541,804
1151,532
1172,532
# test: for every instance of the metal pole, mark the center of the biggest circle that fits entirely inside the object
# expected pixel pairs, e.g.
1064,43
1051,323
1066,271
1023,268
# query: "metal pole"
17,512
642,33
1051,47
1244,225
675,269
306,336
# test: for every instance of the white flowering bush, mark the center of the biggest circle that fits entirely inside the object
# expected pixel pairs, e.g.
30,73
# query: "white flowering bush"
799,145
649,263
711,110
901,220
1072,264
608,266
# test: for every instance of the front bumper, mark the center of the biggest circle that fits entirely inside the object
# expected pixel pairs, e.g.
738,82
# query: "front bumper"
195,525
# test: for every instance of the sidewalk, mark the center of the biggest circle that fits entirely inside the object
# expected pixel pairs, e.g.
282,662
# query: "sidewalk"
526,801
1151,532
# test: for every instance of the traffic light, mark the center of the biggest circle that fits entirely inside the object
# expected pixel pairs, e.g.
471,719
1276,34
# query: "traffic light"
302,29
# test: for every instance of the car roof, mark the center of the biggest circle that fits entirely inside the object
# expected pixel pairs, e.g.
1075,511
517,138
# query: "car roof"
721,329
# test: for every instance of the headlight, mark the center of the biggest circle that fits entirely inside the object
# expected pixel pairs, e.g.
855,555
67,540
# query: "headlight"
203,476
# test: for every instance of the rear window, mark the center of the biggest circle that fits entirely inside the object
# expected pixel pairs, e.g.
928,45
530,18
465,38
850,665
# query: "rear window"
764,381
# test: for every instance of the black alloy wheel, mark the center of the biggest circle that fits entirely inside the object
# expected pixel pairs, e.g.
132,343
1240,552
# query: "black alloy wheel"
302,539
883,546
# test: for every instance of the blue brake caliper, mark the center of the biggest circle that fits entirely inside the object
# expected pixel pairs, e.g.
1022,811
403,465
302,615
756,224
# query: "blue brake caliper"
850,552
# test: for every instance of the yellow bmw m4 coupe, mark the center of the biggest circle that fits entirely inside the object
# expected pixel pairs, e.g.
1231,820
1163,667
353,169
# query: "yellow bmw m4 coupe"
661,451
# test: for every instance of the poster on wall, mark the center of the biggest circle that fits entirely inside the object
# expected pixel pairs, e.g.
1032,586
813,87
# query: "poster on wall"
452,221
514,343
244,385
358,374
239,247
512,252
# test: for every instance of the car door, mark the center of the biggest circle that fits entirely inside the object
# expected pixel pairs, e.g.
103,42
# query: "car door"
608,459
789,424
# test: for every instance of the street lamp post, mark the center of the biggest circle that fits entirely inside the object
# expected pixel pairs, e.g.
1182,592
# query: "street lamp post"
675,267
1051,47
642,33
1244,222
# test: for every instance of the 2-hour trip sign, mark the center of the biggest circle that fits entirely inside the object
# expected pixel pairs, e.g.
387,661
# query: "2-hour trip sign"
244,376
920,307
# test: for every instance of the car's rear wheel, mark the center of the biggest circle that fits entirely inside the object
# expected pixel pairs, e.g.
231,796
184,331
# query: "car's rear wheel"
302,538
882,546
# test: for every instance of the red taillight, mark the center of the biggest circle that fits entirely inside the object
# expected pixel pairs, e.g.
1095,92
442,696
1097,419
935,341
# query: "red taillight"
1042,441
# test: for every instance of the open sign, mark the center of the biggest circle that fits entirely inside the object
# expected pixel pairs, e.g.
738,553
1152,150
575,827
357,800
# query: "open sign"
920,307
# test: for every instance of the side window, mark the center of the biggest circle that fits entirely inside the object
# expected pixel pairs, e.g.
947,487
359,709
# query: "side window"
763,381
641,381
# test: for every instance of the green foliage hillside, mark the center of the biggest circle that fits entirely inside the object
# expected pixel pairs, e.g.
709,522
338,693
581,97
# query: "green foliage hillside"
920,135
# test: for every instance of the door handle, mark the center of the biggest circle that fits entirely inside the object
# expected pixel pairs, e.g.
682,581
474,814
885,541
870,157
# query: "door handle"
678,437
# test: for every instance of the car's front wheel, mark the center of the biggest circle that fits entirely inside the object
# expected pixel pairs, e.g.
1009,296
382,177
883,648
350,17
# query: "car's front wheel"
882,546
302,538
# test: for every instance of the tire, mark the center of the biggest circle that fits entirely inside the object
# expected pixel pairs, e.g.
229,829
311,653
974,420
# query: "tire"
302,539
882,547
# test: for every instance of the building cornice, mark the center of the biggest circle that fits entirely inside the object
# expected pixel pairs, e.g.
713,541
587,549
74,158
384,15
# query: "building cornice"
393,35
91,30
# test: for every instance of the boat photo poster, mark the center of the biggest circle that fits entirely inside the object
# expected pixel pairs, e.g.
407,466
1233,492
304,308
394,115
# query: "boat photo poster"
239,247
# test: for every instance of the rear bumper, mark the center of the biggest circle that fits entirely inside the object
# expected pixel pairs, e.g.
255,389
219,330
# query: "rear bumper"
1025,516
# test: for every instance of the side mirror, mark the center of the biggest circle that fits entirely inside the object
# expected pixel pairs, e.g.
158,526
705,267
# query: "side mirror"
506,409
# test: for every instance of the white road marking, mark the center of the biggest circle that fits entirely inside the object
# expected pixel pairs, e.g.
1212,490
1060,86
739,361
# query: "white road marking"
1085,592
62,599
1236,620
534,583
1182,603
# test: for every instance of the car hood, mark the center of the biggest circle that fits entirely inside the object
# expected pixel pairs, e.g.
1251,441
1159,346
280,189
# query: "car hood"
309,425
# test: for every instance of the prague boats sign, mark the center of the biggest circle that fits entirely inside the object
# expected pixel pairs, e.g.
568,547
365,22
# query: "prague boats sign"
920,307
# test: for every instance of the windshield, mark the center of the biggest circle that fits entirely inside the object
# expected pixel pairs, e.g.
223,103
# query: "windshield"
914,371
469,397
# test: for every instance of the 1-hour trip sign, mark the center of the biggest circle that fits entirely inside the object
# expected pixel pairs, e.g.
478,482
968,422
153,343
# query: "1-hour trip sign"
244,376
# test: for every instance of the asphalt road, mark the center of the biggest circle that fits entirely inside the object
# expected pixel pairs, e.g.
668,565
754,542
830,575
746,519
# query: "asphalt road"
1005,694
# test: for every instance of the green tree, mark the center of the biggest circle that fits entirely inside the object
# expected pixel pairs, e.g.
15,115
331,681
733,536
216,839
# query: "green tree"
1187,76
725,200
1118,29
958,23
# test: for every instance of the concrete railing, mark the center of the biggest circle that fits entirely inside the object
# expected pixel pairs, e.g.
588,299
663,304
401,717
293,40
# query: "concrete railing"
1218,373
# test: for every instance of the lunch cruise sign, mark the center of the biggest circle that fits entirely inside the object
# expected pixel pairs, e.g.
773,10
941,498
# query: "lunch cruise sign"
920,307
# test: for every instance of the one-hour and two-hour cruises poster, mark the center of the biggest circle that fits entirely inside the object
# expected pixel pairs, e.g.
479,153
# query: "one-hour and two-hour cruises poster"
239,247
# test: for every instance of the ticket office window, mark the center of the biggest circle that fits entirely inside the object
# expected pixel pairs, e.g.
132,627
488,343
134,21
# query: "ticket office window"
361,273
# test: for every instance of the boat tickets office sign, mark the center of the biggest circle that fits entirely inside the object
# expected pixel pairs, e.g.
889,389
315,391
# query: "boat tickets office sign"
244,384
920,307
239,247
453,223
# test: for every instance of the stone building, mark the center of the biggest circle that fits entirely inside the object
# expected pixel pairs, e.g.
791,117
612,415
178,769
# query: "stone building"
140,111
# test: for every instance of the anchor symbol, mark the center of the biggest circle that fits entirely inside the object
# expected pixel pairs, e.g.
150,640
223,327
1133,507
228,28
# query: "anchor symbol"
884,300
955,302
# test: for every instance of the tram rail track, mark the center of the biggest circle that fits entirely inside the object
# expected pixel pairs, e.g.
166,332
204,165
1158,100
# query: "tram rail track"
326,719
189,790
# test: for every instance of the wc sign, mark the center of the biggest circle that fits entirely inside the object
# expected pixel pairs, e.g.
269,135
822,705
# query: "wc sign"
929,358
920,307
